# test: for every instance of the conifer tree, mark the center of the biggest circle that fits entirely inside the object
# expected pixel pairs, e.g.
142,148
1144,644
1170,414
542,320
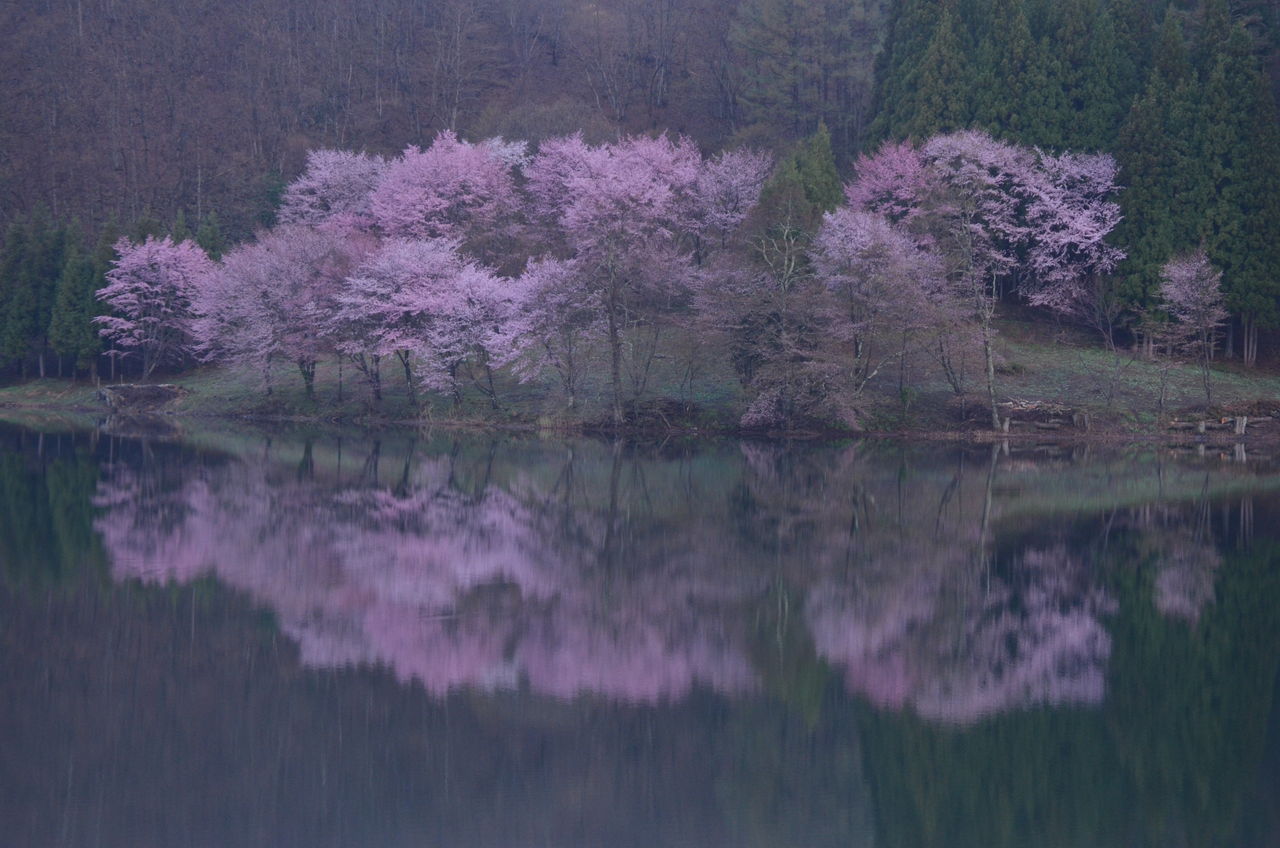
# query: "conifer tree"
14,297
1166,189
1085,59
72,334
32,271
1012,83
909,31
1238,158
209,236
800,61
816,167
940,99
180,232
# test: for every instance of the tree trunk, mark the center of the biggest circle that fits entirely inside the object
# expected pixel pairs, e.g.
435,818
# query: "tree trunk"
308,369
493,392
375,377
410,387
615,364
991,373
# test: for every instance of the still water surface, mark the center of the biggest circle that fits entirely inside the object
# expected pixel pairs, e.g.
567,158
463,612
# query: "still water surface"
251,638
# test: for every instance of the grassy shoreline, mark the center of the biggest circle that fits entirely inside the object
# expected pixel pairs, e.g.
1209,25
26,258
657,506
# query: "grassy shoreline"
1054,385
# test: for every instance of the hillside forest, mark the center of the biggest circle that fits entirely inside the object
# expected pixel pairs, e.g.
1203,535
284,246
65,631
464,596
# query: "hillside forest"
813,194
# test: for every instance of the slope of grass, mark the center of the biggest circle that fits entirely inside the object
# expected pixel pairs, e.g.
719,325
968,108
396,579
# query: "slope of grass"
1040,361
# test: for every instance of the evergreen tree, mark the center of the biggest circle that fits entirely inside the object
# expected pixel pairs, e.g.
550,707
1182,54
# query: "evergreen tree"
180,232
816,167
72,334
1166,186
209,236
1171,58
939,102
103,259
1086,64
907,37
32,272
1135,29
1239,158
800,60
1013,99
14,298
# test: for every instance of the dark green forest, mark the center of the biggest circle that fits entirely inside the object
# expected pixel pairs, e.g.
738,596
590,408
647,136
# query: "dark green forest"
189,117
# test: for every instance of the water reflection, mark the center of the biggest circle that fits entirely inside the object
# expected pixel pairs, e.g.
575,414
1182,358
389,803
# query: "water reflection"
500,642
635,575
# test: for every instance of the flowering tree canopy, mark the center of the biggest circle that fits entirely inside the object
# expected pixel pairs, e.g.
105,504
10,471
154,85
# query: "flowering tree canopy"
1191,290
149,288
334,189
421,297
452,189
628,215
268,299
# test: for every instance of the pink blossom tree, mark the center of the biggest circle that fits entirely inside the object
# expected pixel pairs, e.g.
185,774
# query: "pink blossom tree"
453,189
150,288
727,188
268,300
973,212
552,321
335,189
963,194
421,301
892,182
623,213
1071,211
1191,290
885,288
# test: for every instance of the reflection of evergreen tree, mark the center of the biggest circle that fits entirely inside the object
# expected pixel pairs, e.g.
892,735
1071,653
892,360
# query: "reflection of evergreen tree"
1189,703
46,516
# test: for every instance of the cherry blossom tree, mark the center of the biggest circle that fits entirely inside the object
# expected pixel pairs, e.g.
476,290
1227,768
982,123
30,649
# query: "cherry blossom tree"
334,189
1191,291
150,288
621,212
1071,212
420,300
552,321
893,182
885,288
268,299
727,188
453,189
973,212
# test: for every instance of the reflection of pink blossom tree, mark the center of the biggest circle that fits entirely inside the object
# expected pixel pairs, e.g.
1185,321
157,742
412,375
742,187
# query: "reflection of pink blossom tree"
1038,641
446,589
149,289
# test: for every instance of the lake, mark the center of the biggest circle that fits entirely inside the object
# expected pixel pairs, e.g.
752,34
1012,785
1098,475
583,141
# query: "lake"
285,638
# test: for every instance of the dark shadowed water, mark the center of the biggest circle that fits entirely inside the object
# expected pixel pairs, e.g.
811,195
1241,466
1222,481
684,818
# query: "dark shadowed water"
283,640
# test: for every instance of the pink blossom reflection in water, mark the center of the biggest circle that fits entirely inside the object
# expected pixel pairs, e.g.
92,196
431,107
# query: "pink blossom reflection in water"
511,588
